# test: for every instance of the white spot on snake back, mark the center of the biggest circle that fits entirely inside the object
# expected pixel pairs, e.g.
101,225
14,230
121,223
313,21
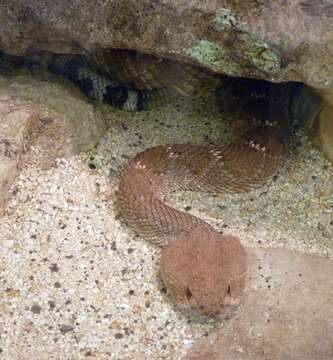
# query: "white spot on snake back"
173,155
140,166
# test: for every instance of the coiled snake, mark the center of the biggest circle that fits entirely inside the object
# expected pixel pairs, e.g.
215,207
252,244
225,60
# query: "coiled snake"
204,270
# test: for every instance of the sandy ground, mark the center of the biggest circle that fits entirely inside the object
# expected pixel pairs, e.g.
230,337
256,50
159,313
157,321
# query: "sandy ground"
76,283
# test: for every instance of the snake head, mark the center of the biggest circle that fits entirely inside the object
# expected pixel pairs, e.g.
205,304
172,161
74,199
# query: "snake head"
205,272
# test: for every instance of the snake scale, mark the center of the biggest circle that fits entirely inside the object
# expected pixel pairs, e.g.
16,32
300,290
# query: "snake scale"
204,270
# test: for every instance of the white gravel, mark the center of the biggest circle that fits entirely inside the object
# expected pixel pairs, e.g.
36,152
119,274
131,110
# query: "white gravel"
76,283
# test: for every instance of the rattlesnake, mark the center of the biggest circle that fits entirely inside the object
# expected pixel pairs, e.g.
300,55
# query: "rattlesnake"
204,270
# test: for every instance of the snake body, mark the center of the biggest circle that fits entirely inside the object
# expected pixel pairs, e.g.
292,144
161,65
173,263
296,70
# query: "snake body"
121,78
149,72
204,270
94,84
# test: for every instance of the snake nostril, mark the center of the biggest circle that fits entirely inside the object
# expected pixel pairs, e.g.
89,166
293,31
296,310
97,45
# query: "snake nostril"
188,293
229,290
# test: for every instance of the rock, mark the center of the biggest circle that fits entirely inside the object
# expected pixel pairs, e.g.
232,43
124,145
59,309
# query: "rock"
249,39
286,312
8,173
15,123
48,116
274,40
316,113
321,130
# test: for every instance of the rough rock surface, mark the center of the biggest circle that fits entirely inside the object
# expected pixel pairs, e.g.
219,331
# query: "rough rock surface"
275,40
286,312
35,113
14,126
321,130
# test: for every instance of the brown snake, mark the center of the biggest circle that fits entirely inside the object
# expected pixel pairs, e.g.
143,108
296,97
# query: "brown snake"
204,270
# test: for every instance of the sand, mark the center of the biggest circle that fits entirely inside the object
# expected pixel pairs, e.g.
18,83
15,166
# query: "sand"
77,283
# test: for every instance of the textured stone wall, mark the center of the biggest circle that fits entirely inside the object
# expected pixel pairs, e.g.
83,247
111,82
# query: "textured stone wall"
277,40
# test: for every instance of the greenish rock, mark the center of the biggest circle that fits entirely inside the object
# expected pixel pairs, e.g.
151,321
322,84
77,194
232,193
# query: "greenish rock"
250,51
259,54
225,18
248,47
206,52
213,56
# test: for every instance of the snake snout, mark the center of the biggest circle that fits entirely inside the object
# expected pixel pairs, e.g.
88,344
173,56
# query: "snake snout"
205,273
